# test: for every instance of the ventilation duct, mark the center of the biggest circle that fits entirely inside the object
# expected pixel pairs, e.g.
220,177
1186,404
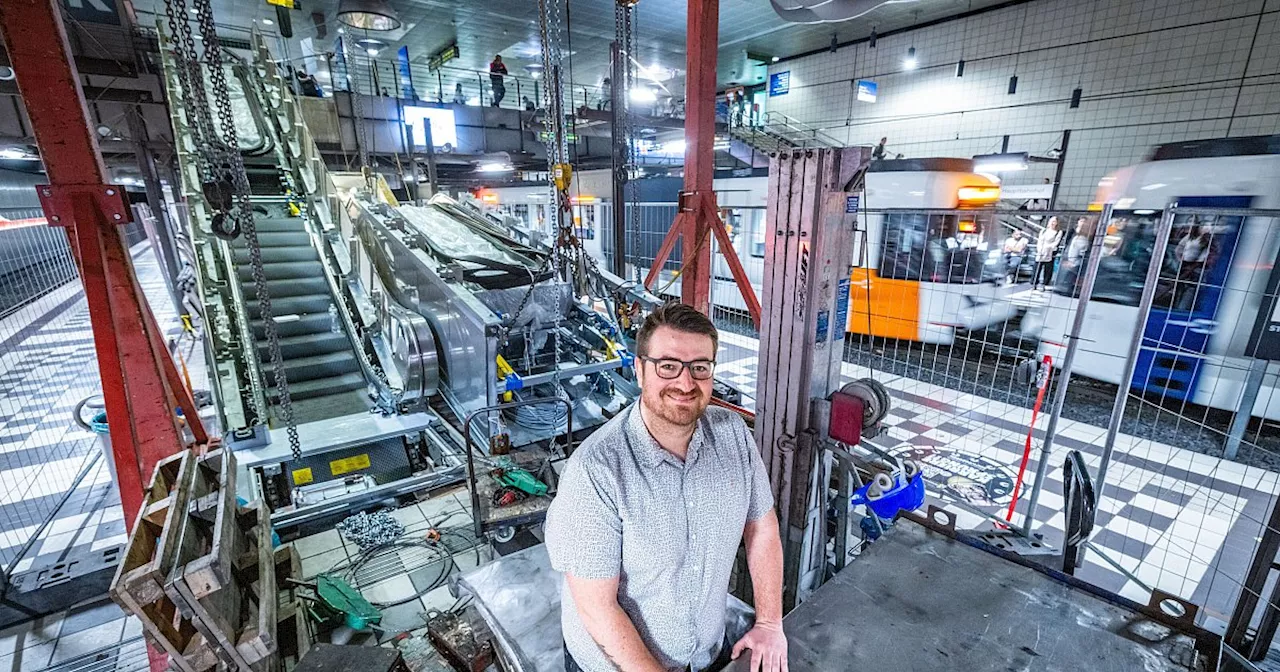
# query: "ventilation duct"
827,11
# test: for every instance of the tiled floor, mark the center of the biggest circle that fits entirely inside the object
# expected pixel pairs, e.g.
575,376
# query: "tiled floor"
48,365
391,579
1179,520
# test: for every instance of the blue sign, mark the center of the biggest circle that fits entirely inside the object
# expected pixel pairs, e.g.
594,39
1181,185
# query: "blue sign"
824,326
867,90
779,83
851,205
406,77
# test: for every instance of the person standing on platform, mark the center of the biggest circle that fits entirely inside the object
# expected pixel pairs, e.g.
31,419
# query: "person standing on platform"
1015,247
497,70
1046,249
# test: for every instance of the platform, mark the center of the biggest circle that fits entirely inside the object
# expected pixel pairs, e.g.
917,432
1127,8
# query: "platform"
48,365
1175,518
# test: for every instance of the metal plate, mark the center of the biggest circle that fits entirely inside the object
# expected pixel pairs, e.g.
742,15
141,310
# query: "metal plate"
919,600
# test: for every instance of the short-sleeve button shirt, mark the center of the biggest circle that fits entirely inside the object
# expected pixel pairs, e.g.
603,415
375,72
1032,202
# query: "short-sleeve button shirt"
669,529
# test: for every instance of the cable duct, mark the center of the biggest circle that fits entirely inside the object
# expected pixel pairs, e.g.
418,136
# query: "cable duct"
828,11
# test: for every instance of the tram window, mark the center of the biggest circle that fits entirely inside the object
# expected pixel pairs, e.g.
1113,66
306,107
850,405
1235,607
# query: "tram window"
1126,248
1196,262
934,248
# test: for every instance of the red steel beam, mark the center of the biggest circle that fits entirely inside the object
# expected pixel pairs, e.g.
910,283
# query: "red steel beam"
137,379
702,40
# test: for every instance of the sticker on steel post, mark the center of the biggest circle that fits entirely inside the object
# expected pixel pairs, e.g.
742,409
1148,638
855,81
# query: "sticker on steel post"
842,308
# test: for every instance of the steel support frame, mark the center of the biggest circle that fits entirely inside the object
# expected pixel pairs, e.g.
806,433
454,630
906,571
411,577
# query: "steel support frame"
808,253
698,218
140,384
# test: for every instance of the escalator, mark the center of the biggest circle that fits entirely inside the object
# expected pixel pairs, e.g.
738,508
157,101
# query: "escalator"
323,370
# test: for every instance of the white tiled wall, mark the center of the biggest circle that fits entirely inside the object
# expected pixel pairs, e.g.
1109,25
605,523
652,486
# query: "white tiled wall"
1152,71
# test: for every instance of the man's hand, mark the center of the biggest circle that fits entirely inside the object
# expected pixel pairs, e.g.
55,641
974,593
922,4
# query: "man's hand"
768,646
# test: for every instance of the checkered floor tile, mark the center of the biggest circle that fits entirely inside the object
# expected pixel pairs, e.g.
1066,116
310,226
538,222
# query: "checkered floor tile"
48,365
1178,520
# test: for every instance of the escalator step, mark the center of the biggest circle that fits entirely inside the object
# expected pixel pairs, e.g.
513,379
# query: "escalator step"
275,255
328,365
305,345
321,387
308,324
282,288
276,238
279,224
283,271
310,304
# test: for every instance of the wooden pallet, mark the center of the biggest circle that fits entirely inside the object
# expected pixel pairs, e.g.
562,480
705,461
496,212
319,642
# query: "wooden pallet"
138,586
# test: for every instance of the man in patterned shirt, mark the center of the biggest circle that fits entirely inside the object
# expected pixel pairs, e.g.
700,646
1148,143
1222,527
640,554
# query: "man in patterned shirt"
648,518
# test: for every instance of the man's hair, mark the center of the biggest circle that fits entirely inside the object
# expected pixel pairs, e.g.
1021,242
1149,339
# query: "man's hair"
678,316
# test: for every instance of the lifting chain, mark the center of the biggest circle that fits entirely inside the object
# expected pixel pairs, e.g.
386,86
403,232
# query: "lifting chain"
624,33
227,185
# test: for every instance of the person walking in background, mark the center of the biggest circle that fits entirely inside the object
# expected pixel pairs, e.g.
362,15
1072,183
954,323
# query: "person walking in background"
1046,248
877,154
497,70
459,98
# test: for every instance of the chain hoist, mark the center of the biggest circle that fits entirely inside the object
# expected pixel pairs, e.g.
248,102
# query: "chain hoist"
226,184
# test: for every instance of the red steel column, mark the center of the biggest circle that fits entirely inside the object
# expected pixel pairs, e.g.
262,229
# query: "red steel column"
702,40
136,379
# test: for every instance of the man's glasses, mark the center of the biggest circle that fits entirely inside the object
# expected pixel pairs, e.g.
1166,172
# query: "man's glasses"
700,369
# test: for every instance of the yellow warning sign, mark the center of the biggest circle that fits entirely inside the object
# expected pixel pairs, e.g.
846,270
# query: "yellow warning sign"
349,464
302,476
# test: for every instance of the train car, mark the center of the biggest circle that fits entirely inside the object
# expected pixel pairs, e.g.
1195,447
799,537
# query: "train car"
919,275
1212,278
923,276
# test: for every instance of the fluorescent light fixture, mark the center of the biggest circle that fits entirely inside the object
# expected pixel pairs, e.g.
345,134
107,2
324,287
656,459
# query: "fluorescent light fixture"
910,61
1144,212
643,94
15,154
268,22
775,59
495,167
1153,187
1000,163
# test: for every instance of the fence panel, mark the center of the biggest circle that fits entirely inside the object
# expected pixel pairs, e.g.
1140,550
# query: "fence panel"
1189,482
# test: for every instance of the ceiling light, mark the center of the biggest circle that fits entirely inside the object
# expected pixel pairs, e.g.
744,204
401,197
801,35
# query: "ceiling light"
495,167
643,94
1000,163
371,51
910,62
775,59
368,14
267,22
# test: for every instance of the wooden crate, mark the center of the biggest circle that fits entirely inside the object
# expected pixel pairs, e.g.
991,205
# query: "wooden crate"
138,586
213,537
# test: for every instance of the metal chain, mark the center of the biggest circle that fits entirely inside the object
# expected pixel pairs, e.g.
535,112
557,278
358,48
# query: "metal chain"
357,103
228,156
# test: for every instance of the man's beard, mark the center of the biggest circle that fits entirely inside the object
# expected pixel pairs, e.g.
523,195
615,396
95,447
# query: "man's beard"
674,413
